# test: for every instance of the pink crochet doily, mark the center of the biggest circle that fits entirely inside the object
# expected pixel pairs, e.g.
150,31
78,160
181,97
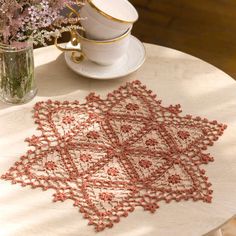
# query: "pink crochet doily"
111,155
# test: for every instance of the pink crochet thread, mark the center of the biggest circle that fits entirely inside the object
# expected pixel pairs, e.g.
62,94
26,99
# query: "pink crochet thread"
112,155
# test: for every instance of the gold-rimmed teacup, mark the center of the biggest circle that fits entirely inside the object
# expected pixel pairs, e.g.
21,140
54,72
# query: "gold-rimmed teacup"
103,52
107,19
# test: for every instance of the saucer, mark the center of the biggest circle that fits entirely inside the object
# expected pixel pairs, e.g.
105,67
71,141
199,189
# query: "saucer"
129,63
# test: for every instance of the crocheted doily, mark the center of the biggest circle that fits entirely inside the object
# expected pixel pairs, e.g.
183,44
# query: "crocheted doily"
112,155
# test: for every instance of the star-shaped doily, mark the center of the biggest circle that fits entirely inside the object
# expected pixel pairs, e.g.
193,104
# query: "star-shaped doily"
111,155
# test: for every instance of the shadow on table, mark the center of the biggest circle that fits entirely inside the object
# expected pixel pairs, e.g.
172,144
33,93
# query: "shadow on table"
56,79
4,105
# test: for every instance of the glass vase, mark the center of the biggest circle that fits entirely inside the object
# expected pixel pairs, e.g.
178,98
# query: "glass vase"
17,83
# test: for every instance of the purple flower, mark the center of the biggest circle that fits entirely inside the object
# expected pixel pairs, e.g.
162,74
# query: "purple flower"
37,19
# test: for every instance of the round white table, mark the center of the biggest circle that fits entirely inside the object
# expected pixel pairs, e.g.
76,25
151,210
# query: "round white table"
175,77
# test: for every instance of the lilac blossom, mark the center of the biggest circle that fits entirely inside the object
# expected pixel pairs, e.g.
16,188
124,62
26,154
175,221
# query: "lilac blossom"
40,20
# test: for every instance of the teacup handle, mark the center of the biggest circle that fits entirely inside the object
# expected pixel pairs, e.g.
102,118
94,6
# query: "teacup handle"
74,42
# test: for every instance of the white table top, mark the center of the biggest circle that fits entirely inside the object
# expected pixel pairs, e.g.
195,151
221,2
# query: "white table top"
175,77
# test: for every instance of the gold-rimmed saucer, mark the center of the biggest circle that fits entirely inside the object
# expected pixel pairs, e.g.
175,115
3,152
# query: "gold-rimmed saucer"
129,63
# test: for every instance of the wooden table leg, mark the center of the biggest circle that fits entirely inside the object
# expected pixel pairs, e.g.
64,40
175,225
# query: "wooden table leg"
218,232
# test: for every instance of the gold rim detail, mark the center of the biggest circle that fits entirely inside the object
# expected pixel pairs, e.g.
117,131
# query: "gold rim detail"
108,16
128,32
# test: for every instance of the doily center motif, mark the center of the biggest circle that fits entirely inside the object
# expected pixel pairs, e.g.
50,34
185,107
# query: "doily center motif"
112,155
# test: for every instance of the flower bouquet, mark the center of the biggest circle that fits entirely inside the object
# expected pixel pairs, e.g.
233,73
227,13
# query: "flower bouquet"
22,24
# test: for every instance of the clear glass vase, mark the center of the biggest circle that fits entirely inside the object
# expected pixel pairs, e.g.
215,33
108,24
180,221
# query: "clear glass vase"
17,83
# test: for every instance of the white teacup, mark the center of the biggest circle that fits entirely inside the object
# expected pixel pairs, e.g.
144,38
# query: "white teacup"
107,19
103,52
